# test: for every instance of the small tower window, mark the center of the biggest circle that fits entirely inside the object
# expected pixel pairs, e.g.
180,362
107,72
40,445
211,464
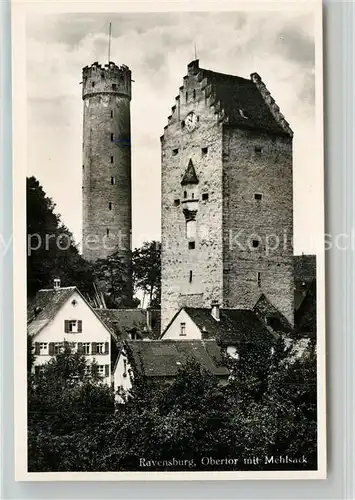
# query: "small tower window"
93,84
114,86
204,151
259,279
111,137
183,124
192,196
190,277
258,150
182,329
175,151
107,232
111,113
255,243
186,96
110,205
194,93
185,194
191,245
176,203
111,159
205,196
113,181
258,196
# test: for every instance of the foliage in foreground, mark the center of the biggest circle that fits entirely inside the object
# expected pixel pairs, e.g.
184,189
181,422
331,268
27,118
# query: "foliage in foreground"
74,424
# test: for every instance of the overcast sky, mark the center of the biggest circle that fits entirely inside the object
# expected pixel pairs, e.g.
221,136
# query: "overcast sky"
157,48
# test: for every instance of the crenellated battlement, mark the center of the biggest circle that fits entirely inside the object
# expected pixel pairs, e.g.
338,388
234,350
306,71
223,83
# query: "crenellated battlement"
106,79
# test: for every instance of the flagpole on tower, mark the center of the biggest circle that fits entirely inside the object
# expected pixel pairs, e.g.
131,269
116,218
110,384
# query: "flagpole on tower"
109,43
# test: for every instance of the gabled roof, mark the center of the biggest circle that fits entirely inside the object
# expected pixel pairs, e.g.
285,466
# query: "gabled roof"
264,309
242,101
234,325
190,176
45,305
124,321
164,358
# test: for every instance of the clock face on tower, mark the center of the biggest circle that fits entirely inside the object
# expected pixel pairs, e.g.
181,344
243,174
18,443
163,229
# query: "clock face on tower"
191,121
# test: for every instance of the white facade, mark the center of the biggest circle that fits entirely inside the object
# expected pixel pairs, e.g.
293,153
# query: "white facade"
94,339
122,374
182,328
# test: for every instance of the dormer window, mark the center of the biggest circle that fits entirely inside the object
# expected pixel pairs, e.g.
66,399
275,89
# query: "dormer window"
243,114
232,352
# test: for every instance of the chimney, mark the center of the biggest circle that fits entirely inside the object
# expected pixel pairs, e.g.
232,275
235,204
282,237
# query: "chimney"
56,283
215,312
145,334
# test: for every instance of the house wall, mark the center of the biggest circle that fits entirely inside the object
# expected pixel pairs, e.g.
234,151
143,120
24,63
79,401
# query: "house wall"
92,331
191,329
119,380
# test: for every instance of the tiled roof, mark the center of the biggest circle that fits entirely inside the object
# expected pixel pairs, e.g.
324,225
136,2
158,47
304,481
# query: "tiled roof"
242,102
45,305
190,176
123,321
234,325
164,358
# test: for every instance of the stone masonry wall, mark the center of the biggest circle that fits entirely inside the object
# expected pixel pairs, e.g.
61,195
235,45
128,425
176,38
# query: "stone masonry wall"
256,163
205,261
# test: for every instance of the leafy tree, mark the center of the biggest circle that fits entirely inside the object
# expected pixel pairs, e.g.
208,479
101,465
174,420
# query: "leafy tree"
51,250
147,271
66,410
115,278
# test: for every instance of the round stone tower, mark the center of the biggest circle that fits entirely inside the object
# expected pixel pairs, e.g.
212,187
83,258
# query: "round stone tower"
107,215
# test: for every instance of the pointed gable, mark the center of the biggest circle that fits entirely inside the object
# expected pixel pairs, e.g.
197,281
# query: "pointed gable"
190,176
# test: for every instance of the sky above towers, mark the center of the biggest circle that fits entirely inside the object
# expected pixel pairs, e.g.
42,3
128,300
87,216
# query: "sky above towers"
157,48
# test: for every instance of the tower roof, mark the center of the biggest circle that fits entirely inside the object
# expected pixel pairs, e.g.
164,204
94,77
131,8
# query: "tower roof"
244,103
190,176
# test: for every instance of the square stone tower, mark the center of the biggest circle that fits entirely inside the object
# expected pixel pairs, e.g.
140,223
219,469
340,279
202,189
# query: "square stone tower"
227,196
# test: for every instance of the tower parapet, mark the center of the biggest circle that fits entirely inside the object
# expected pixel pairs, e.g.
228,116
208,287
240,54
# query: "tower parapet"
108,79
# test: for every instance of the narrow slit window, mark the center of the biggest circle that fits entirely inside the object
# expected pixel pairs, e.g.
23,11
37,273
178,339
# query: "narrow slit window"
258,196
191,245
259,279
185,194
107,232
110,205
93,84
111,113
111,137
186,96
204,196
113,181
111,159
190,277
194,93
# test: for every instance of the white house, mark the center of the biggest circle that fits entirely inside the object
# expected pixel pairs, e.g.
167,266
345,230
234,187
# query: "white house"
61,315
